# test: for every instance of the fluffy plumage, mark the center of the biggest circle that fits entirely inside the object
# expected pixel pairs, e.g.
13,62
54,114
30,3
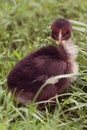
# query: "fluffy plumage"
30,73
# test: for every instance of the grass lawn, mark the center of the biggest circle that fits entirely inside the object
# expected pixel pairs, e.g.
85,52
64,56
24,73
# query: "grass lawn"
25,26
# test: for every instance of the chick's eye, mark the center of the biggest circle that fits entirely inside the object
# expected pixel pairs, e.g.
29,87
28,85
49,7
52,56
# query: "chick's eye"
54,35
65,33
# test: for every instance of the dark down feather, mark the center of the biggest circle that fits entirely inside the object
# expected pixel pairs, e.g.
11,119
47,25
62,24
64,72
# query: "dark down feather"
30,73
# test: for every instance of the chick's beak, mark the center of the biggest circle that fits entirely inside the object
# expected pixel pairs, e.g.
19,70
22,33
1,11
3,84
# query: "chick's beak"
60,36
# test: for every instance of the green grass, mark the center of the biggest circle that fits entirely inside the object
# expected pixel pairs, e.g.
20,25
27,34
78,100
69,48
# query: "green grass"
25,26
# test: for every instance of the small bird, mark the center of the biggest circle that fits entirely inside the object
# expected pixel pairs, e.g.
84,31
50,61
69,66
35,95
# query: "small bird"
31,72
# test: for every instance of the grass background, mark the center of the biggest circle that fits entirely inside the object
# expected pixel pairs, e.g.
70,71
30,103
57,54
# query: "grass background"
24,26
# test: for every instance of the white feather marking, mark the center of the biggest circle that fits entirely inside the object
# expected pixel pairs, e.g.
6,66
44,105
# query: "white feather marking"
72,51
74,70
71,48
24,97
